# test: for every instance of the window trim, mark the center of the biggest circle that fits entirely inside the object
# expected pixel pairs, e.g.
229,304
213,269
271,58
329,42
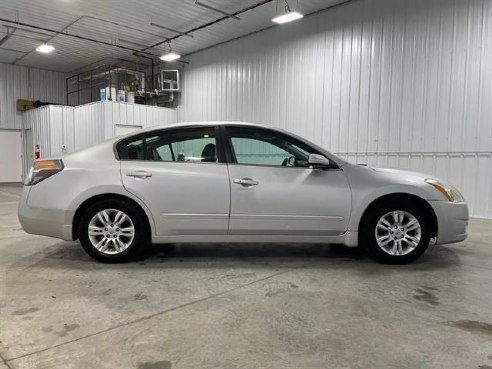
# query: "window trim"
219,149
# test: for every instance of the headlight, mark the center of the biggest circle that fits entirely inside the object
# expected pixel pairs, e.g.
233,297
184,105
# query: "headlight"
451,193
43,169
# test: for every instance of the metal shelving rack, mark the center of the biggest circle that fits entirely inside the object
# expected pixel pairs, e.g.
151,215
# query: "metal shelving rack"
84,87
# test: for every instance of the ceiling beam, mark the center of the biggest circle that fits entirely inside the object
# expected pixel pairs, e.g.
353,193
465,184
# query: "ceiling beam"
263,2
170,29
206,6
64,33
10,32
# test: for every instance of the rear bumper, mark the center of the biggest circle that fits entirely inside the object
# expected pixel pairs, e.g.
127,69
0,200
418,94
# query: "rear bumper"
44,221
452,221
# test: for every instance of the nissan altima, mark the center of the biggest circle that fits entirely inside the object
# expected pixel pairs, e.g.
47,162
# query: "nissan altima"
234,182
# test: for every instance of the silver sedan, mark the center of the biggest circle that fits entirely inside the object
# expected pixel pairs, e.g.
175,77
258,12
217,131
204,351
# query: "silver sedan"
234,182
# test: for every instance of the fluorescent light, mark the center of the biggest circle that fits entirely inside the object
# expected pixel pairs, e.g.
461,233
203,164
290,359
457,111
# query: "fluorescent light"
45,48
170,56
287,17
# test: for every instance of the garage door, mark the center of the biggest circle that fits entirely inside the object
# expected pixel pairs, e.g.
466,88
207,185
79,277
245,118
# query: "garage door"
10,156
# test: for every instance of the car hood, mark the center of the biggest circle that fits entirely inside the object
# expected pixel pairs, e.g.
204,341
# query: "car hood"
402,172
382,181
407,174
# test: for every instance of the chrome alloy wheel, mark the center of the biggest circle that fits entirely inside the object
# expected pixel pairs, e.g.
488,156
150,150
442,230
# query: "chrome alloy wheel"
398,233
111,231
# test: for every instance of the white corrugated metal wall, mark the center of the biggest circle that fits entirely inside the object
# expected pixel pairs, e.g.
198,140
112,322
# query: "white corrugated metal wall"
39,121
60,130
18,82
396,83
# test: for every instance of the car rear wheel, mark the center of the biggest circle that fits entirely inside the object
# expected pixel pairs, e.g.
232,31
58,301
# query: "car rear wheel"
112,231
396,232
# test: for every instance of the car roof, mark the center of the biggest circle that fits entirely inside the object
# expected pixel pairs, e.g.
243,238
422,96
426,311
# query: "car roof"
189,124
203,123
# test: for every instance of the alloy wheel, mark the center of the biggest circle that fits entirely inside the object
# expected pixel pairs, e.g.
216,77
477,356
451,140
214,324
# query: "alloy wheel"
398,233
111,231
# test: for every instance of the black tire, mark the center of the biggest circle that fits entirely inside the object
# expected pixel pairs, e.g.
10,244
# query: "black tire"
367,235
137,245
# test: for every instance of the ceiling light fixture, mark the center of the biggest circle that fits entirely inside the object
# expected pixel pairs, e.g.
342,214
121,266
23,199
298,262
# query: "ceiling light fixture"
170,56
288,16
45,48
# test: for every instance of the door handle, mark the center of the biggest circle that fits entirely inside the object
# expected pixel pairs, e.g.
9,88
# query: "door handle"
141,174
246,182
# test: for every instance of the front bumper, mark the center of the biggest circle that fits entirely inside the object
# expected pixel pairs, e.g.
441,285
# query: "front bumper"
452,221
43,221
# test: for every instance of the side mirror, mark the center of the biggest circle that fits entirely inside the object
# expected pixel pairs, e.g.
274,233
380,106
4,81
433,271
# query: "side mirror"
318,161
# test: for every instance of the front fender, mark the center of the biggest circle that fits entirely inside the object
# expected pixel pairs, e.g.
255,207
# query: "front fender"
361,203
368,185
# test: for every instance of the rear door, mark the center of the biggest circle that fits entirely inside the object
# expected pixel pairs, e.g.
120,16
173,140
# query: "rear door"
273,190
181,176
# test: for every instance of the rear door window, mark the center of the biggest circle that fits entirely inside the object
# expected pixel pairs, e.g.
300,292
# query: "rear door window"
193,145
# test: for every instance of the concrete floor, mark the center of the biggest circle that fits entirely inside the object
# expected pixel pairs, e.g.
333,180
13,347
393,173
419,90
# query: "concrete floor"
242,306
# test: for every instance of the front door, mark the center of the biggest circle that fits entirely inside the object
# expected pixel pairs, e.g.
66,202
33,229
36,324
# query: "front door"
273,191
177,174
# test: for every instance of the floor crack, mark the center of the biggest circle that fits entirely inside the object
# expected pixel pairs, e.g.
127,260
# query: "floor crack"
5,362
147,317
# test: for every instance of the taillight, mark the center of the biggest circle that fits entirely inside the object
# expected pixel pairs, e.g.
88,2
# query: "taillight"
43,169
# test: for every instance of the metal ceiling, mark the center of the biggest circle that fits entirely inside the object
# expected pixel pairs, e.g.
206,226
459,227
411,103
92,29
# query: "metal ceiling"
125,26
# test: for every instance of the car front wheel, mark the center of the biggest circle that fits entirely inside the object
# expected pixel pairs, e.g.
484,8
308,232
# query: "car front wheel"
112,231
396,233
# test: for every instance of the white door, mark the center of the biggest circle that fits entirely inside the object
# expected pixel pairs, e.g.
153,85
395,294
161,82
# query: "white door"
10,156
176,173
274,192
29,150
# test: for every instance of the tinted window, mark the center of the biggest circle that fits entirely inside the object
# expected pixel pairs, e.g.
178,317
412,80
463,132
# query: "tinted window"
264,147
195,145
133,149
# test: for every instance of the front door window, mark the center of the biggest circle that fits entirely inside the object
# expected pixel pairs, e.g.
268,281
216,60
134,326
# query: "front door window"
267,148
